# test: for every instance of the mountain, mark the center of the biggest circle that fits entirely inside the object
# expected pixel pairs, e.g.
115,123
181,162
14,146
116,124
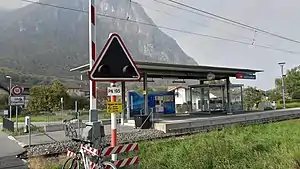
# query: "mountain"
49,41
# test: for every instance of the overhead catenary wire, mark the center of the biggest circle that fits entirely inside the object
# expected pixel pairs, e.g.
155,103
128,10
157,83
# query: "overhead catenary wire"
164,27
196,22
196,13
233,22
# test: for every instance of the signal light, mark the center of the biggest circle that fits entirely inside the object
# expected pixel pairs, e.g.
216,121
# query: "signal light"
128,69
104,69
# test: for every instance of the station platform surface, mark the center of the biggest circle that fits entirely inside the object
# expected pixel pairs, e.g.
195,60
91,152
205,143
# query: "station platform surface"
200,119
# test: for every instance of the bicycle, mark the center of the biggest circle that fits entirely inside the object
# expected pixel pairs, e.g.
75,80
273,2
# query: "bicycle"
81,158
69,129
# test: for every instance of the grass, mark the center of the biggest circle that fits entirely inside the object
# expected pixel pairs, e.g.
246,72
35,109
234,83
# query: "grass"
21,131
58,117
288,105
268,146
40,163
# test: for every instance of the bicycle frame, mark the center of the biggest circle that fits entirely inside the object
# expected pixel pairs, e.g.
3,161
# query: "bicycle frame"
85,158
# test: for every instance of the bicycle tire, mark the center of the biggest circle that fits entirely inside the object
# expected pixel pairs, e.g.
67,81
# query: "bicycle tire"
107,163
74,164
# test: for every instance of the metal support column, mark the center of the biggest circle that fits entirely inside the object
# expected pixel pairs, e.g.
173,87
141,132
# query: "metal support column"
223,98
208,100
228,96
191,99
129,106
145,93
123,87
242,98
202,96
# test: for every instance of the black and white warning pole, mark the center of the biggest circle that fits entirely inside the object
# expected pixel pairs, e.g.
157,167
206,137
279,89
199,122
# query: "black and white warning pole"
92,51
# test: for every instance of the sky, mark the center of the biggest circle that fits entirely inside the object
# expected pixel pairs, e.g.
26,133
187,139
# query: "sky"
275,16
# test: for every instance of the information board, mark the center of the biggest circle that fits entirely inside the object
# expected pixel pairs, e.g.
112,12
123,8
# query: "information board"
114,107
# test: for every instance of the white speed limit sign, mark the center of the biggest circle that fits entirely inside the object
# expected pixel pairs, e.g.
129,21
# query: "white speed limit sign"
17,90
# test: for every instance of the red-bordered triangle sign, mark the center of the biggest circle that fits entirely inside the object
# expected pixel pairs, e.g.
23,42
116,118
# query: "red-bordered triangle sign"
114,63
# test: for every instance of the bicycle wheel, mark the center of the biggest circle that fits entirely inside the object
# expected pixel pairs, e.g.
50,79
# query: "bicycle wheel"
105,164
74,164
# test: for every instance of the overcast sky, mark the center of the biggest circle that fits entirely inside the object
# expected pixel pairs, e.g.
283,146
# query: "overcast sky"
277,16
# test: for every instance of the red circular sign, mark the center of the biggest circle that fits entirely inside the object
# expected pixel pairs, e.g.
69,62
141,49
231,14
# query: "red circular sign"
16,90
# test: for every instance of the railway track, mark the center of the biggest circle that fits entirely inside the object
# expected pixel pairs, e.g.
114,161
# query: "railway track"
58,148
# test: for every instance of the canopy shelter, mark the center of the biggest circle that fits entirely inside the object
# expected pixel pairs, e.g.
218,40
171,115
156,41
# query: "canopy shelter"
177,71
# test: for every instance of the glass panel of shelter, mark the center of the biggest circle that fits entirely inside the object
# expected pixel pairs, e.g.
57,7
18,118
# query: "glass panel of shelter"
213,98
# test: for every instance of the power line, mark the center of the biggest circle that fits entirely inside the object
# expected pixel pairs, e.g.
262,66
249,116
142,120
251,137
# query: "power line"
234,22
195,22
197,13
163,27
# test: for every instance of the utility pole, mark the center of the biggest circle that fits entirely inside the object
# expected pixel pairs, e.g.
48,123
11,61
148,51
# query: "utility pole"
10,109
282,83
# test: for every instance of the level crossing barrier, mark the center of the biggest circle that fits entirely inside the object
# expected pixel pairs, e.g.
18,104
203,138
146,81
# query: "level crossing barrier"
108,151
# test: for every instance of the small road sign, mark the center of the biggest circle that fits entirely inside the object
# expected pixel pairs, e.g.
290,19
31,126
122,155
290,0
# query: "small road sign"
114,63
5,112
114,91
17,90
245,76
17,100
114,107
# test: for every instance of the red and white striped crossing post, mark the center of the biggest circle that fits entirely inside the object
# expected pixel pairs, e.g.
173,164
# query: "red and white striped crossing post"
92,51
113,125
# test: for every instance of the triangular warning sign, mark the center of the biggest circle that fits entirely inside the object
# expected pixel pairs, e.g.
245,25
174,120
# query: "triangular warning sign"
114,63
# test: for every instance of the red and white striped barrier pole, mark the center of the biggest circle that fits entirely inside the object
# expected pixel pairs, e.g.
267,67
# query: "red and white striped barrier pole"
92,51
113,125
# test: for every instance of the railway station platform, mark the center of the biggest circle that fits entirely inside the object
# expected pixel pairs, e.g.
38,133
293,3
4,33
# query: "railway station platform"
202,121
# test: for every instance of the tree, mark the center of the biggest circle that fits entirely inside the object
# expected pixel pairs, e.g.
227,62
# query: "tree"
252,96
291,83
81,101
3,99
47,98
274,94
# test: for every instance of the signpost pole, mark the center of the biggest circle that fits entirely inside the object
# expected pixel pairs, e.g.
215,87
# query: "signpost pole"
77,115
17,117
10,108
62,107
92,54
29,131
113,125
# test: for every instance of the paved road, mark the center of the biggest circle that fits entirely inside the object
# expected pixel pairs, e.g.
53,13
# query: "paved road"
40,124
8,147
12,162
8,151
